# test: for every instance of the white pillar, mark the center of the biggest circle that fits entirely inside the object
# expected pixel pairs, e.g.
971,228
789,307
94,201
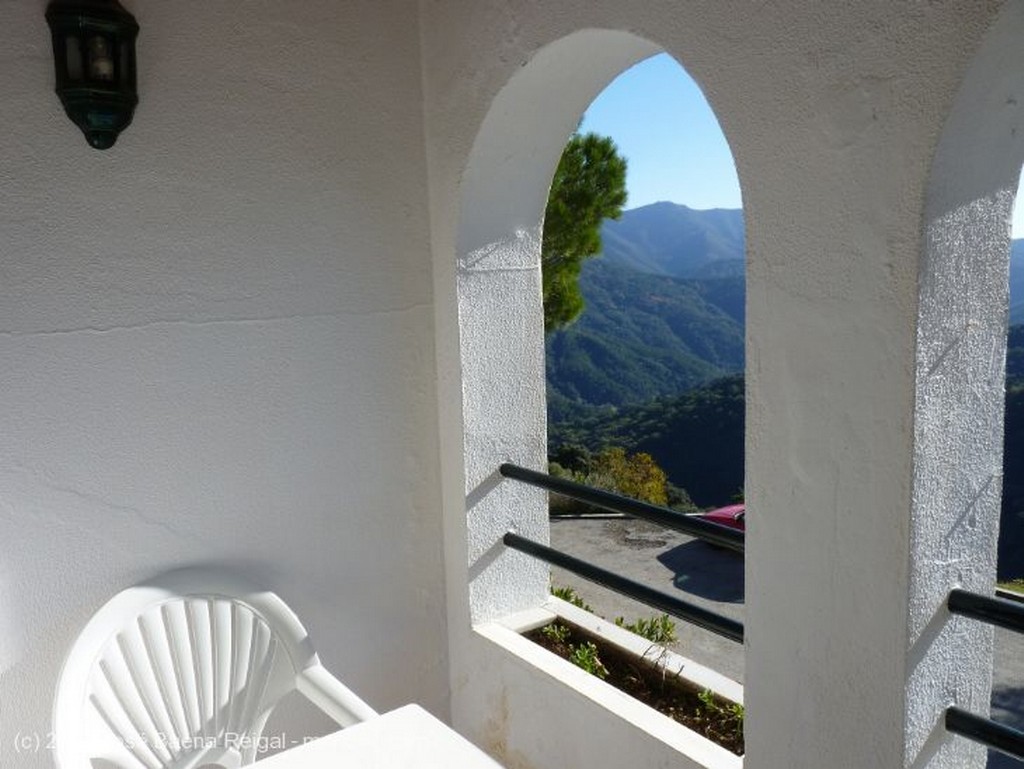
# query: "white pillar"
958,409
875,383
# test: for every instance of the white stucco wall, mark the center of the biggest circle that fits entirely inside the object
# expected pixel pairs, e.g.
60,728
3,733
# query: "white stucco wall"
218,343
834,116
216,340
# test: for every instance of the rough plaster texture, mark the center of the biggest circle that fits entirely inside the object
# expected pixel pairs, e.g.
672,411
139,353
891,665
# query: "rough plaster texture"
503,194
958,421
216,341
834,114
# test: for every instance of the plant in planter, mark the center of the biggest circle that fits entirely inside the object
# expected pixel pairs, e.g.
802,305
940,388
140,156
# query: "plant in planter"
584,656
645,678
658,630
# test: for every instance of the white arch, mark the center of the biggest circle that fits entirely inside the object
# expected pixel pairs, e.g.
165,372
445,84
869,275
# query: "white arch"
504,188
503,195
496,406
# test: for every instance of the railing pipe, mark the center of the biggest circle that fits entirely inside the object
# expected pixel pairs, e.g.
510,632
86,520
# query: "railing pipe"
1009,595
722,536
689,612
995,611
989,733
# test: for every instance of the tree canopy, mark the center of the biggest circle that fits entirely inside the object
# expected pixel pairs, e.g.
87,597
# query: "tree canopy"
613,469
589,186
636,475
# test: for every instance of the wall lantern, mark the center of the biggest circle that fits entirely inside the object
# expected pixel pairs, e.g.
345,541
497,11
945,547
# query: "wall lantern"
94,55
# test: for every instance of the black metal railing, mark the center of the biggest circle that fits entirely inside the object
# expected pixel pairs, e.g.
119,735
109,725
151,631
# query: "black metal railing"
709,620
995,611
1004,613
722,536
709,532
1010,595
989,733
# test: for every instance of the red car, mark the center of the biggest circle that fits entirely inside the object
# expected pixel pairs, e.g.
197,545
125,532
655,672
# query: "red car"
732,516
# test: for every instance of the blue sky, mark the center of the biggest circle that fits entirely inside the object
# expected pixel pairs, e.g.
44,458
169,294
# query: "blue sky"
676,151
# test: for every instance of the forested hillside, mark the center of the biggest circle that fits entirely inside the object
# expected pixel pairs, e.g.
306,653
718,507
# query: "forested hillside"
653,364
696,438
644,336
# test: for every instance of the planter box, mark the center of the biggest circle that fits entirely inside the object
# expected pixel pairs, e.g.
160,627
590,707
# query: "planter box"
564,696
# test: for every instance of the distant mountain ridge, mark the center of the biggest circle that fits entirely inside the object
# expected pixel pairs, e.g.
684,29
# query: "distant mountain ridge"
682,242
677,241
664,313
665,309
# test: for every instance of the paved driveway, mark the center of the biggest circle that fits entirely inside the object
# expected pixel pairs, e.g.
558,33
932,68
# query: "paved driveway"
672,562
713,578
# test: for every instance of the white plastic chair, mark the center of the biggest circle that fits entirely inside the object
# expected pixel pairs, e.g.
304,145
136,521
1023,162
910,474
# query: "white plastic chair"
182,673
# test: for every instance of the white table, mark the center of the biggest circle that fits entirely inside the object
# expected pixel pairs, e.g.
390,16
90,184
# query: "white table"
406,738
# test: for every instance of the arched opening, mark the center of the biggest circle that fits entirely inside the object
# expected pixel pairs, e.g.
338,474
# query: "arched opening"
645,388
498,280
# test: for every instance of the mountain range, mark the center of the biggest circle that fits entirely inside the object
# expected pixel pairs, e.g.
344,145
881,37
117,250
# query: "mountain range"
676,241
665,309
643,336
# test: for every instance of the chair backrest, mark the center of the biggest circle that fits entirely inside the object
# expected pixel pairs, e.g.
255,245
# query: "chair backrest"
178,673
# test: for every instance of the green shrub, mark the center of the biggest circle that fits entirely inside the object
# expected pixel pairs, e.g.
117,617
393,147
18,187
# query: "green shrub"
569,595
658,630
585,656
729,716
556,632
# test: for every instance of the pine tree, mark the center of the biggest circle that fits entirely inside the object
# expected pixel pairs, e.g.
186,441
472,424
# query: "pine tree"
589,186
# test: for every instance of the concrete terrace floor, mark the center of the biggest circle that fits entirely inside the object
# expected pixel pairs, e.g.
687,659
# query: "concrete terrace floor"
697,572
